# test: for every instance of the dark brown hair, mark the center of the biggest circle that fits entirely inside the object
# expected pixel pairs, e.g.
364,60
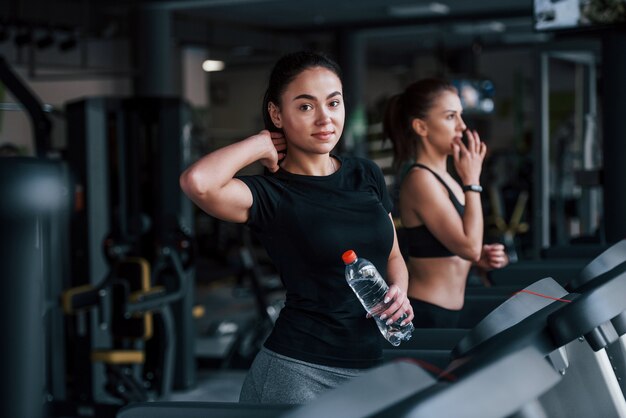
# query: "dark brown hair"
413,103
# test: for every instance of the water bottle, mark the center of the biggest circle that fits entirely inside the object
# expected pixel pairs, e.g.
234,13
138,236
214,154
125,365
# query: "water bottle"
371,288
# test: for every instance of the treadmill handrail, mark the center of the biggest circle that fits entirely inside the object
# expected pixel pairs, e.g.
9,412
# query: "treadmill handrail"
607,260
512,311
600,304
491,395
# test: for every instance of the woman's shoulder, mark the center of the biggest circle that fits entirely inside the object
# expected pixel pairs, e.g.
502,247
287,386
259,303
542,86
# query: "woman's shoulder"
416,172
264,180
421,180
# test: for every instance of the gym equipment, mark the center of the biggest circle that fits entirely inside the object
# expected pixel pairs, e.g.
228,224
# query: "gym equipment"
201,410
436,348
127,302
524,273
515,226
33,221
549,372
41,124
515,309
614,339
480,301
129,299
394,382
511,311
591,317
233,342
32,200
554,182
601,301
429,347
540,350
394,388
477,384
607,260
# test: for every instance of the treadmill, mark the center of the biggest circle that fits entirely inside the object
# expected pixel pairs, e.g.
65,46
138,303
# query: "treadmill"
542,366
528,358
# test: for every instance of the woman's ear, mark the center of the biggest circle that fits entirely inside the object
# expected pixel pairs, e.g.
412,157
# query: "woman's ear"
419,127
274,112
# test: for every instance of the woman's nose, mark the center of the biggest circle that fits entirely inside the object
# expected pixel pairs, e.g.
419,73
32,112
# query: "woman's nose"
460,124
323,116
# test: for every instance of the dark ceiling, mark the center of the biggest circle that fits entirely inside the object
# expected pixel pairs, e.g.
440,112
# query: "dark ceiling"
245,29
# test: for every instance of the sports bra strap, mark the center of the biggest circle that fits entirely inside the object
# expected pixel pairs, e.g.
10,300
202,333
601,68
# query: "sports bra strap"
453,198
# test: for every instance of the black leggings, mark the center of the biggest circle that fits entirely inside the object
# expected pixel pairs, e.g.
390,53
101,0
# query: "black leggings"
428,315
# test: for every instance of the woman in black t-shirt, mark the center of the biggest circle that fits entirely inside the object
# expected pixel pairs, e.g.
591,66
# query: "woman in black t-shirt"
309,209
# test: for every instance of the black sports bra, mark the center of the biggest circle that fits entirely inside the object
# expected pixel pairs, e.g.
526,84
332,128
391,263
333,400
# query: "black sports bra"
421,242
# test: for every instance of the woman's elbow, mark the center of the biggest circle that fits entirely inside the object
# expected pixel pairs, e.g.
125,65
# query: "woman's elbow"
190,182
475,257
471,253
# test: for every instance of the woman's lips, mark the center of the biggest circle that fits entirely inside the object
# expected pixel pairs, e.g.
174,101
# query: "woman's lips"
325,135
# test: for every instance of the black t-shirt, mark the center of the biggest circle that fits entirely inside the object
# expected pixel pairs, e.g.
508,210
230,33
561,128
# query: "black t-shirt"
306,223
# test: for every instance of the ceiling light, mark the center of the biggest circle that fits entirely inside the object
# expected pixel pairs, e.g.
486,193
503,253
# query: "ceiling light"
479,28
519,38
414,10
212,65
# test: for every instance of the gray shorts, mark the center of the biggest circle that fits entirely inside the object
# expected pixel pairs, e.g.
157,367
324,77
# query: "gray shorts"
277,379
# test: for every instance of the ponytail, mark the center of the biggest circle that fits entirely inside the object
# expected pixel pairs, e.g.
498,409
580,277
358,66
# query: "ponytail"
413,103
397,128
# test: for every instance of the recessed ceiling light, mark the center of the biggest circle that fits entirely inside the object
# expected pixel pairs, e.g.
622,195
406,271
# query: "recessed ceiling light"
212,65
479,28
412,10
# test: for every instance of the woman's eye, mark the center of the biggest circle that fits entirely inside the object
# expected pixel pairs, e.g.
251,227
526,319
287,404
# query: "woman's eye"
335,103
306,107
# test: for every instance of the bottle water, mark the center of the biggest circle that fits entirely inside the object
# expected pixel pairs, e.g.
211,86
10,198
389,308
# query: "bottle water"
371,288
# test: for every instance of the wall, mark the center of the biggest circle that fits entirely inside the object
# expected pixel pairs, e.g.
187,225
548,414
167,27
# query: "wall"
228,102
57,78
512,72
236,96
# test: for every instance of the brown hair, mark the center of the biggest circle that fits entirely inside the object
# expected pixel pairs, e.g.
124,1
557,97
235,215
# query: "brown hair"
413,103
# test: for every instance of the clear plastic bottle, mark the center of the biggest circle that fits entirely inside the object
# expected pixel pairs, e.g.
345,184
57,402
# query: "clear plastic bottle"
370,288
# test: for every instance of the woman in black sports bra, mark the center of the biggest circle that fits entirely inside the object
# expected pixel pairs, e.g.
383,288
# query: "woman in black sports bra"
443,219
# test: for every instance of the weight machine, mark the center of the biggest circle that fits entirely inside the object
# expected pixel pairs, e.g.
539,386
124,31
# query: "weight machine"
129,303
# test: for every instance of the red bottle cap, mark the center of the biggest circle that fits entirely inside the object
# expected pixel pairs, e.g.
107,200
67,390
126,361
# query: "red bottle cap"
348,257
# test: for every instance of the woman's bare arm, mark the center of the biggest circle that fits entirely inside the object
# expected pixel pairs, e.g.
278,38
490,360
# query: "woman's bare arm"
210,182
